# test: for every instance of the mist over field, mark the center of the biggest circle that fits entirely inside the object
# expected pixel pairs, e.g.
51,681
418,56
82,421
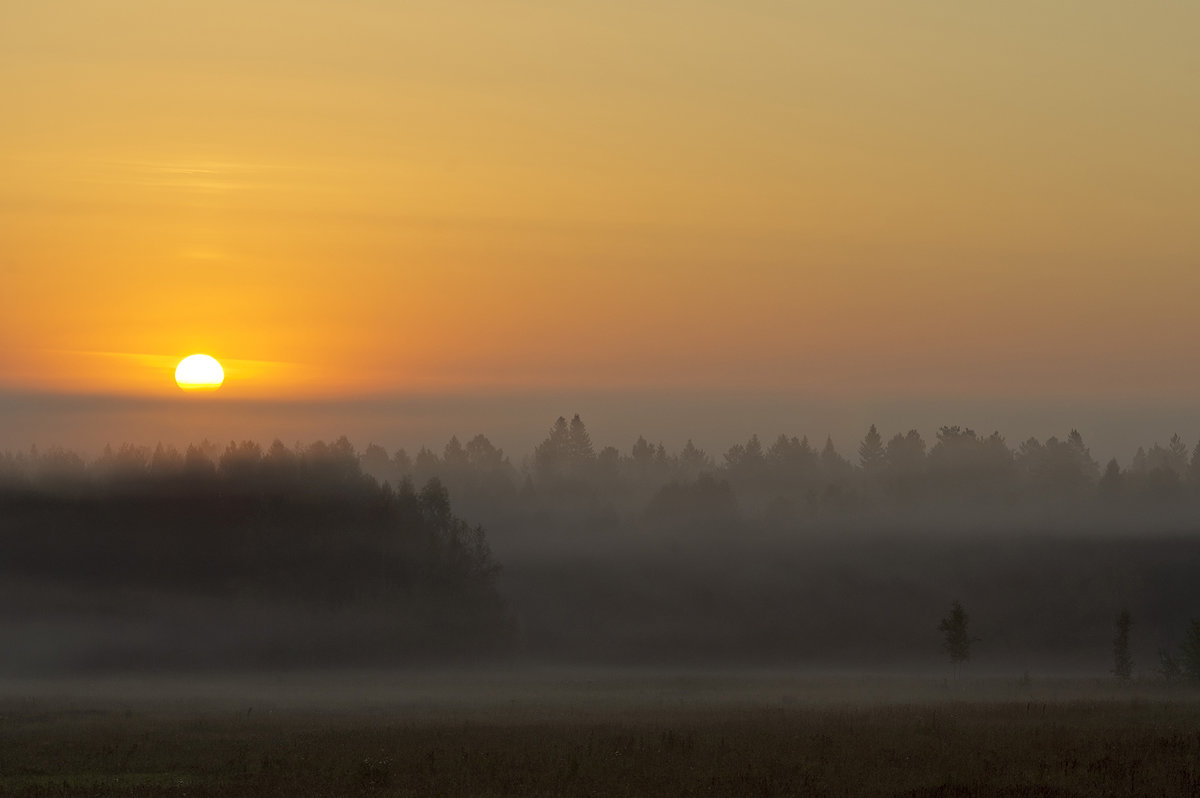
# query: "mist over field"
776,554
948,617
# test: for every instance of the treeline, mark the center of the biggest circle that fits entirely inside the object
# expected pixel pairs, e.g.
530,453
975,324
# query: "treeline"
959,465
790,478
323,554
279,556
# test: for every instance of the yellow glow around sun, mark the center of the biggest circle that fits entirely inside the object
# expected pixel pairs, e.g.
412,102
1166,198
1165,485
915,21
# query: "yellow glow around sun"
199,373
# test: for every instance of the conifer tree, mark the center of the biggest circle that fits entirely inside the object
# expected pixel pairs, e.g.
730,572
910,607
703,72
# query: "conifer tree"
834,464
958,638
482,455
1177,456
579,443
642,453
1138,466
694,460
871,452
1089,469
551,455
454,456
1110,483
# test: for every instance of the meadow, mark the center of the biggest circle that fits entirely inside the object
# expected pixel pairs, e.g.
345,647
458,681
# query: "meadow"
596,733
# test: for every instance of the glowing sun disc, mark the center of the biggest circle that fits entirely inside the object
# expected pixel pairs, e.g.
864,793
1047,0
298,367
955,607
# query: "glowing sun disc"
199,373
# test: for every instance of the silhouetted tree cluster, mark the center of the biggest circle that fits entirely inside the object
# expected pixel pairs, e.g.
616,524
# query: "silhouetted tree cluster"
477,474
569,482
787,479
304,527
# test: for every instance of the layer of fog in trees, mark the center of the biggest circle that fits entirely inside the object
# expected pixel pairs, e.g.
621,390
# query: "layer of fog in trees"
782,554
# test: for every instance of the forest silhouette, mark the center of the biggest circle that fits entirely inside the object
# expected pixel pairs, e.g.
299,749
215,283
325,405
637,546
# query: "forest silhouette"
275,557
784,553
966,476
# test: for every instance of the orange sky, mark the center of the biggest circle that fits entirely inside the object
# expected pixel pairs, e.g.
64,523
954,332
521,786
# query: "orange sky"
831,198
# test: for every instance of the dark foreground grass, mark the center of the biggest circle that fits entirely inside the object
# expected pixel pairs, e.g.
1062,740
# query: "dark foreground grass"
1109,747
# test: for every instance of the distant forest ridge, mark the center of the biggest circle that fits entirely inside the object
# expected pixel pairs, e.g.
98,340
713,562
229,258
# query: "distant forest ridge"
960,465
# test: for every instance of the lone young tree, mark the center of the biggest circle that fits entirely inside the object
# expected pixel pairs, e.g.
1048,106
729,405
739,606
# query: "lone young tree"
1122,661
1168,667
958,639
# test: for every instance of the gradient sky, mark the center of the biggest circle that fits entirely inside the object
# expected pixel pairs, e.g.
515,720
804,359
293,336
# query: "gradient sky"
837,201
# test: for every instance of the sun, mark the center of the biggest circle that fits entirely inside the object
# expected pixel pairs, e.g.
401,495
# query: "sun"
199,373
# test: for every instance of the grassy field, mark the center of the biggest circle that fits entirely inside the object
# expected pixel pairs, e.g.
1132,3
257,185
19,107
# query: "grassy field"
596,734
